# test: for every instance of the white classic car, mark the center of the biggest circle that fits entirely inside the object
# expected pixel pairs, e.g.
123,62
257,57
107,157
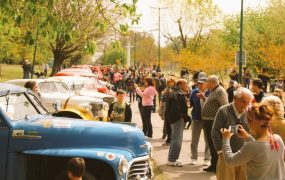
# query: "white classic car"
58,98
84,86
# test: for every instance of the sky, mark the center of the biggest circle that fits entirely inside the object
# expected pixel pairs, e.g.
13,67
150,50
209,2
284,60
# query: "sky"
149,19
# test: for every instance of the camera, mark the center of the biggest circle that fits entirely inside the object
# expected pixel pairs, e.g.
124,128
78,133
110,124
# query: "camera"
234,129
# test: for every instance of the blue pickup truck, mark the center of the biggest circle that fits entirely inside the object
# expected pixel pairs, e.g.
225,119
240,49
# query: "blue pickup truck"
37,146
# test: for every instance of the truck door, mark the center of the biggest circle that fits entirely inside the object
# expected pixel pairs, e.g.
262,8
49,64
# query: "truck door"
4,136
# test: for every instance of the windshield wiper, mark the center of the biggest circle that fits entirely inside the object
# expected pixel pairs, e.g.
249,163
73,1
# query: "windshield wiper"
7,99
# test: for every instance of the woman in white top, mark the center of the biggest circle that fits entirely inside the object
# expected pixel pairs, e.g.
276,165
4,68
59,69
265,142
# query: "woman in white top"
263,155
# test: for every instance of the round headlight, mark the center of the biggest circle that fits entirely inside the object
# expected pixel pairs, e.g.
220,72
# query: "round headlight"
123,165
149,149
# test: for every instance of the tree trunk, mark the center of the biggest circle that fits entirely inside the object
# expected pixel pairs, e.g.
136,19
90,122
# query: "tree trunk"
58,61
183,37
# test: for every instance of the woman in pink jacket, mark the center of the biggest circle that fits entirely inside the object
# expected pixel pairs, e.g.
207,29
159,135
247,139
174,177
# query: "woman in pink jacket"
147,103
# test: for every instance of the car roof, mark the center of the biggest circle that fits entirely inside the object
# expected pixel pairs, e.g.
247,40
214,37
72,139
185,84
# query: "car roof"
10,88
70,78
76,70
21,82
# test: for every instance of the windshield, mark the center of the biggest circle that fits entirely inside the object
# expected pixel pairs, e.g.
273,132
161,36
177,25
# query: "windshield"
17,106
62,87
82,85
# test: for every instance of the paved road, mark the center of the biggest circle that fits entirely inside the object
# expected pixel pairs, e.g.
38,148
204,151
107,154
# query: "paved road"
160,153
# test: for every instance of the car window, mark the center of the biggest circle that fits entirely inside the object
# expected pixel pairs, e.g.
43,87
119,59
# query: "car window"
61,87
75,85
17,106
89,85
46,87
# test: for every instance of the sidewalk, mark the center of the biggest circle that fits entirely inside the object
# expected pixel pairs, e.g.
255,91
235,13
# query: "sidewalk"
161,153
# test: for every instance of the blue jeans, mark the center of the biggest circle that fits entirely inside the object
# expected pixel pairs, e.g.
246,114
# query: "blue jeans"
176,140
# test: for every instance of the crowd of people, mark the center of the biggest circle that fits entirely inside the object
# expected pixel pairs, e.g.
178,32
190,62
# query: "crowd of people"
238,122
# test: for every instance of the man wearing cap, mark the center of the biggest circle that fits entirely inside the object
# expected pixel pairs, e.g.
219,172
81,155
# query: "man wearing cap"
217,98
196,102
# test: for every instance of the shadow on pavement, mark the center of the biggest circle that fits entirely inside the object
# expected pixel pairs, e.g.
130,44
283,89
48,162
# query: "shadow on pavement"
185,172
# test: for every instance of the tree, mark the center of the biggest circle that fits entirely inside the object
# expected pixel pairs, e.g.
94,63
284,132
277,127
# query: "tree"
114,54
146,50
263,36
193,18
70,28
213,58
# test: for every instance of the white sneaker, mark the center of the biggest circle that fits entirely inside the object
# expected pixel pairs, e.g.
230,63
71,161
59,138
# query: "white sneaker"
207,162
175,163
193,162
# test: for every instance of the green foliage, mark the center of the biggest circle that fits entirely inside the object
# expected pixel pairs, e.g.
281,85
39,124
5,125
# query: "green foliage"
66,28
115,56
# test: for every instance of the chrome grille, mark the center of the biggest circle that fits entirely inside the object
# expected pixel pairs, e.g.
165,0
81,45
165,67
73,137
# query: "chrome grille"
140,169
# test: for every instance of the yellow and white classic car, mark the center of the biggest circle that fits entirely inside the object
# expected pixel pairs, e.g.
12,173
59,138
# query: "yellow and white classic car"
61,101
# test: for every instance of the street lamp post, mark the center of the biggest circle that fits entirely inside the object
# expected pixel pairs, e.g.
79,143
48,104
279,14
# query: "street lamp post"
135,49
158,43
240,43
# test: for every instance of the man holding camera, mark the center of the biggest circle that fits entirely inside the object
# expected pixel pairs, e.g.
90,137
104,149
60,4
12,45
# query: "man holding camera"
231,115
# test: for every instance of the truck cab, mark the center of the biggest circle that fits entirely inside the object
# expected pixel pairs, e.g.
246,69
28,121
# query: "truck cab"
37,146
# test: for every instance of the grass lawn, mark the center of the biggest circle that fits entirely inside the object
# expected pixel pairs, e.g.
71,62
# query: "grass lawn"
8,72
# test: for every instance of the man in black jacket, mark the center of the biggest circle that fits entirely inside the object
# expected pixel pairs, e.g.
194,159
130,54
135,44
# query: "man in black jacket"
176,112
120,110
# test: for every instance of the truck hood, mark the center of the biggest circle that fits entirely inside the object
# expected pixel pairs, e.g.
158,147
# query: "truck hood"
55,132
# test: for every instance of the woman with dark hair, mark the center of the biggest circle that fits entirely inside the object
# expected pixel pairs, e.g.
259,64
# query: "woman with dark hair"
263,155
147,104
33,86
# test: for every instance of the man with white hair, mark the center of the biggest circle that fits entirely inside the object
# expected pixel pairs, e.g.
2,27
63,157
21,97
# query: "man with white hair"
231,115
217,98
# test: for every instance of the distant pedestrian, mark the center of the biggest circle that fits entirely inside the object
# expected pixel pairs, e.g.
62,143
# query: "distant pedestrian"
139,100
256,88
264,77
246,77
46,68
230,90
27,69
234,75
156,85
131,88
162,85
